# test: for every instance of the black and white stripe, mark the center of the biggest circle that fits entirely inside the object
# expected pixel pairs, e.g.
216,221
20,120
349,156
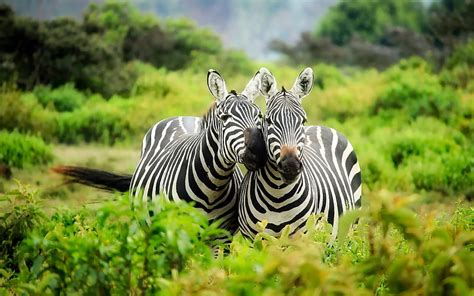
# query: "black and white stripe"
194,159
310,169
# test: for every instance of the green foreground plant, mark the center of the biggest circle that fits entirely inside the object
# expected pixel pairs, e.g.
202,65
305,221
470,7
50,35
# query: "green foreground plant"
391,250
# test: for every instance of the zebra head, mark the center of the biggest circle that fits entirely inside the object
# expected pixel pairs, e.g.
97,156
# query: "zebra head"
238,122
283,127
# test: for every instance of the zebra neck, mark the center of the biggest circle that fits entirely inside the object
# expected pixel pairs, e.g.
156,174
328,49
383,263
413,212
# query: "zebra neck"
273,182
218,171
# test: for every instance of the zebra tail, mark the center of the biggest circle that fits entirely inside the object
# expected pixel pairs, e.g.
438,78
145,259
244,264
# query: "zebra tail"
95,178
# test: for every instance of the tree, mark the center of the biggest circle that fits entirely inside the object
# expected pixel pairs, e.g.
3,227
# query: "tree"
57,52
369,19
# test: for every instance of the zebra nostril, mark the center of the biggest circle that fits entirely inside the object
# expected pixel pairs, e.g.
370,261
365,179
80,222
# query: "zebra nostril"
290,165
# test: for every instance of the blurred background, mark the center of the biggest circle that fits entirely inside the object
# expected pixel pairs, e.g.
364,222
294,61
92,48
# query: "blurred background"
82,81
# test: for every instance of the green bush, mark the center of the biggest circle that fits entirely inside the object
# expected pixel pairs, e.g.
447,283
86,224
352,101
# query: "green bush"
416,142
109,250
231,62
458,70
343,93
103,124
169,43
22,215
447,173
18,150
392,250
410,156
63,98
59,51
14,113
417,92
23,113
151,81
462,55
94,54
369,20
327,75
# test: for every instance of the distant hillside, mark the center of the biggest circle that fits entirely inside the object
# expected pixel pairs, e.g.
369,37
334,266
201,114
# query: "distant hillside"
244,24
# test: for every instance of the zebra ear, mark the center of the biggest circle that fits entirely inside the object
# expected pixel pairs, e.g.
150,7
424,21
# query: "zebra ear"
216,85
303,84
253,87
268,85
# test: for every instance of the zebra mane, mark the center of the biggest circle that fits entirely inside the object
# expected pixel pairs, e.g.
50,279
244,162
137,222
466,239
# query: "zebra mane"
207,118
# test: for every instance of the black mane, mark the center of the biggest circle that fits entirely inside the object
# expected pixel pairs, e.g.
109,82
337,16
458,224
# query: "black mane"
206,119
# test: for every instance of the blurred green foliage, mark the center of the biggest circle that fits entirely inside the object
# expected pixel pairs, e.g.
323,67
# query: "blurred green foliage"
22,215
57,52
18,150
459,69
94,54
379,34
64,98
110,250
416,91
369,19
391,250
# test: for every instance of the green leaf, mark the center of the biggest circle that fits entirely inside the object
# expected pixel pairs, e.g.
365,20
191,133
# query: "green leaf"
346,221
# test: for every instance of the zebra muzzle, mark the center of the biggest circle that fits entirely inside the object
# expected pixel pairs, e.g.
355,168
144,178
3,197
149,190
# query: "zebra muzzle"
290,168
255,154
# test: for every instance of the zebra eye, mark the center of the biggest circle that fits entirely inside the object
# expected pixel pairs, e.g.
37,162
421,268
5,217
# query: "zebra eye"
268,120
305,120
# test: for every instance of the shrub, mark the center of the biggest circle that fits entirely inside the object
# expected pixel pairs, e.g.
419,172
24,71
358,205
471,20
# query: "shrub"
417,92
63,98
17,220
460,76
110,250
369,20
434,156
462,55
152,82
416,142
23,113
55,52
447,173
327,75
458,70
345,93
102,124
391,250
14,114
20,150
231,62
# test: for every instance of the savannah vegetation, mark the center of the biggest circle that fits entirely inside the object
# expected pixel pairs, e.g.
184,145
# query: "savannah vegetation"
85,91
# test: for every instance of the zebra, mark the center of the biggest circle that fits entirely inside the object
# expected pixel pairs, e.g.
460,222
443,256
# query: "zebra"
194,159
310,169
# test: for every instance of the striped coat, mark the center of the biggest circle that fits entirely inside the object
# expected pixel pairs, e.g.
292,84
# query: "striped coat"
310,169
194,159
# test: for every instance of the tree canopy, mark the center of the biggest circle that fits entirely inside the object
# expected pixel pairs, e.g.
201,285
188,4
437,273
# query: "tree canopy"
370,19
